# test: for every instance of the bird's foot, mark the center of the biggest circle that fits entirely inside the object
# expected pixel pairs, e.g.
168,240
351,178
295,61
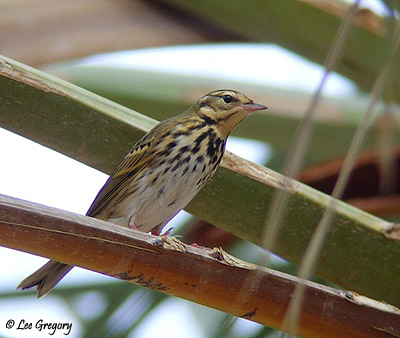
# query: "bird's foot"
170,243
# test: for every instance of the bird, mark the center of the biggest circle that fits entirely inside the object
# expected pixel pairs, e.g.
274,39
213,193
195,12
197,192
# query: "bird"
162,172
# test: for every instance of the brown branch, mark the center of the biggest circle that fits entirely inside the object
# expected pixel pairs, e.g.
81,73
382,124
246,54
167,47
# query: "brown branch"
206,276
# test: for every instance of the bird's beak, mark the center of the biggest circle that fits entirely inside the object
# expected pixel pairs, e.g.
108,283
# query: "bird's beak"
251,106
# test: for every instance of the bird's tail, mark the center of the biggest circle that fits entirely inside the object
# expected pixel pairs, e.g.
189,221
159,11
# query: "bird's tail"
46,277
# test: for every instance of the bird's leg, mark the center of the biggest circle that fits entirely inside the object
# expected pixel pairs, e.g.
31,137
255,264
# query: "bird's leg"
132,225
157,231
168,232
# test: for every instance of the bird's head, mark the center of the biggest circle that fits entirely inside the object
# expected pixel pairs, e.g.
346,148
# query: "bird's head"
225,109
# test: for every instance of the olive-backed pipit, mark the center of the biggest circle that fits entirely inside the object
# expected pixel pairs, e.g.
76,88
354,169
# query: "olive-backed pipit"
162,173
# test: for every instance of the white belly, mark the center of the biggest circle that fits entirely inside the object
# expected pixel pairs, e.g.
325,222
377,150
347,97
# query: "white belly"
158,201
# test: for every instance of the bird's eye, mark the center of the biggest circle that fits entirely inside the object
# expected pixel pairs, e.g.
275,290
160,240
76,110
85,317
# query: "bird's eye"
227,98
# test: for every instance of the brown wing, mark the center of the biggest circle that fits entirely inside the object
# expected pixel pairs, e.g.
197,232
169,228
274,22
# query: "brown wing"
137,160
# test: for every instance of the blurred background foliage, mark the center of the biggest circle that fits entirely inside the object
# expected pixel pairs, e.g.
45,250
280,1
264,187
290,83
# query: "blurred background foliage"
55,35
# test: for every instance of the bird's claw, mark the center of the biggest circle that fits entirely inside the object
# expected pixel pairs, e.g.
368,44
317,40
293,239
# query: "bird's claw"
195,245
